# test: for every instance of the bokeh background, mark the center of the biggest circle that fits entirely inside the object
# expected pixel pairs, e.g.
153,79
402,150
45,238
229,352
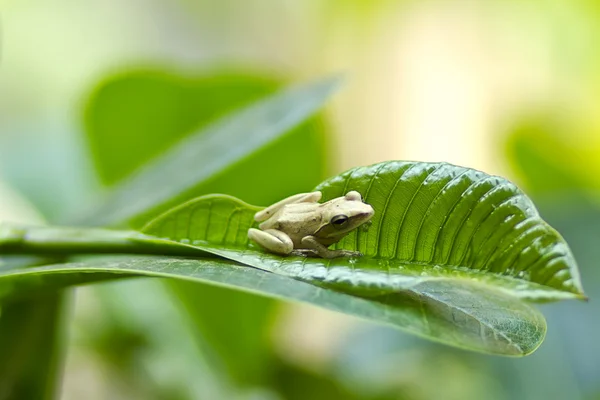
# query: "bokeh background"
508,87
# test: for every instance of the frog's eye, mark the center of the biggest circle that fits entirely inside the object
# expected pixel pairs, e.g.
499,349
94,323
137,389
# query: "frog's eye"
339,221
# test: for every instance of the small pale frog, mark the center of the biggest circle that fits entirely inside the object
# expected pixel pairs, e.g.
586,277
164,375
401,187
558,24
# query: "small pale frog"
300,224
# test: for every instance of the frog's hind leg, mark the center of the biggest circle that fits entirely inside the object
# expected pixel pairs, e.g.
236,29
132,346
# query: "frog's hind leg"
265,214
272,240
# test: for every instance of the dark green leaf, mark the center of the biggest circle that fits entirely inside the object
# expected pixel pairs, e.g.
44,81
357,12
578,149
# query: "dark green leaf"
437,228
452,247
461,313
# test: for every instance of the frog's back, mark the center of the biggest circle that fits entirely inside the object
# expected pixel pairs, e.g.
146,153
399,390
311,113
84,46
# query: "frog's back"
296,220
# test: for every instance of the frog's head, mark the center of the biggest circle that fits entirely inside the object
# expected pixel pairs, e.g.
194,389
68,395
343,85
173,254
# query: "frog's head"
344,214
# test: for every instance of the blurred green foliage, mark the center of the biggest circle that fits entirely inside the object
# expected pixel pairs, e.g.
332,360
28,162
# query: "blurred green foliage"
558,172
556,166
231,332
550,161
237,330
132,117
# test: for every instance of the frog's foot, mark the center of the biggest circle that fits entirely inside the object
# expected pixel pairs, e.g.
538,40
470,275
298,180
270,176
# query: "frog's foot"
346,253
272,240
312,244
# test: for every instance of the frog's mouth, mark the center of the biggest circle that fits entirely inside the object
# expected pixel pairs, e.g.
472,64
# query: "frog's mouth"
362,219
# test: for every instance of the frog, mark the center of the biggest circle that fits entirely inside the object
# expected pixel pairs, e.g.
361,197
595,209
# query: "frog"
300,225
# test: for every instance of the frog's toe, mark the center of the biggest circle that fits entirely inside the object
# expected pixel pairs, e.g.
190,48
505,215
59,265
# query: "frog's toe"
346,253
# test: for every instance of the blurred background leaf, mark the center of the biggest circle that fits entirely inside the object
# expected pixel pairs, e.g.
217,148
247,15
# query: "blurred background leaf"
32,340
133,117
550,160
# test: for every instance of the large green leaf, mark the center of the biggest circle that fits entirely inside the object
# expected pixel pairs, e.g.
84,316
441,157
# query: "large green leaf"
461,313
434,222
489,250
201,158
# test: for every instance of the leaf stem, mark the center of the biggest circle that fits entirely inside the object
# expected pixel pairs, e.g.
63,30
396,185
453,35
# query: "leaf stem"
52,240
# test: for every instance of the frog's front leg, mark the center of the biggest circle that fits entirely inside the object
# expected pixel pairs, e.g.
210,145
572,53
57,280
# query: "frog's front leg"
272,240
310,242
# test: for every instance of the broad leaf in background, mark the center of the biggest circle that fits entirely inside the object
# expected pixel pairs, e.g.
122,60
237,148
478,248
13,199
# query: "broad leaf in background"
195,164
135,116
459,313
163,108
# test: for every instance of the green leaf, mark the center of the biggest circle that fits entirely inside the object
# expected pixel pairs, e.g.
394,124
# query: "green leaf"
437,228
433,222
448,246
460,313
161,108
195,164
